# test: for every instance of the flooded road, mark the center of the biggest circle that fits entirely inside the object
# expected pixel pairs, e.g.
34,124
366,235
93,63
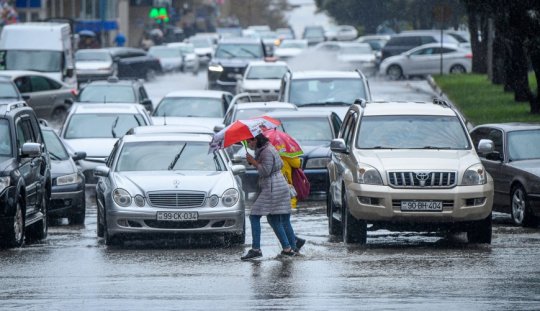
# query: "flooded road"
74,270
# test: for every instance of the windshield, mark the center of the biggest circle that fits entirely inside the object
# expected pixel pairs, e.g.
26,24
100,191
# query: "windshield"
92,56
165,52
356,49
107,94
524,145
190,107
44,61
412,132
184,156
239,51
251,113
5,139
7,90
201,43
293,45
312,91
93,125
307,129
266,72
54,146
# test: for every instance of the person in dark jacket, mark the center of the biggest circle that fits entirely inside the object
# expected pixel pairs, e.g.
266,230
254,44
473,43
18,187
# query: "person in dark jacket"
273,198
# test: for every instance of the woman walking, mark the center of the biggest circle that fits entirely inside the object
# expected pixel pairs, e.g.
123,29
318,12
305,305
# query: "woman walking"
273,198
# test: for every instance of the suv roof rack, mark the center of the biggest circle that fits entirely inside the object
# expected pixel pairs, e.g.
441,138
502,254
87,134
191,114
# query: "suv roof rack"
14,105
441,102
360,73
360,101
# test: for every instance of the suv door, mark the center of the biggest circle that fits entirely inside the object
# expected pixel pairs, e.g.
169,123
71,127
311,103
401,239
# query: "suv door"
28,167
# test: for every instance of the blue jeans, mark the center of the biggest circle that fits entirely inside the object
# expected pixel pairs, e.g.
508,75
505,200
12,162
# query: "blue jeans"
281,224
255,221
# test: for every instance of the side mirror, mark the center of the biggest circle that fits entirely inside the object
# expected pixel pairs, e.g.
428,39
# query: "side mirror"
218,128
79,155
236,159
238,169
338,145
147,103
31,150
485,146
26,97
101,171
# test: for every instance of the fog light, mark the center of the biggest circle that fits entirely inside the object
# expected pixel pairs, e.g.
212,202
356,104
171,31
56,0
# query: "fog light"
229,222
368,200
122,223
479,201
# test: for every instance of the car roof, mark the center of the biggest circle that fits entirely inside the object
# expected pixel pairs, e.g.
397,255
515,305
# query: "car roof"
264,63
169,129
93,51
406,108
300,113
512,126
205,138
113,82
106,108
196,93
273,104
315,74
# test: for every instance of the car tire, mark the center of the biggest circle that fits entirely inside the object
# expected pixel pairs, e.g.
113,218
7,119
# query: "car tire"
14,235
100,230
520,210
235,238
40,229
354,230
480,231
457,69
150,75
109,240
394,72
334,227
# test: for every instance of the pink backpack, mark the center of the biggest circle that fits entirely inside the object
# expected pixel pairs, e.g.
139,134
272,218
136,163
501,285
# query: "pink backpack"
300,183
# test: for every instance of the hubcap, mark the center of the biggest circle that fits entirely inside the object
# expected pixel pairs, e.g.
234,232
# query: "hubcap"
518,206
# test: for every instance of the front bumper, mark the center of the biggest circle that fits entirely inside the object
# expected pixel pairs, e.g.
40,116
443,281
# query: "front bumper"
385,204
66,199
262,95
137,221
7,205
534,203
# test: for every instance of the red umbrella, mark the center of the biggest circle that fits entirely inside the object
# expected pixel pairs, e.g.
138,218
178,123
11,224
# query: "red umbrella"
241,130
285,144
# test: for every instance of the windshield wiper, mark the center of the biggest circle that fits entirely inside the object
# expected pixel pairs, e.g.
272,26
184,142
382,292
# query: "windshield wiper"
228,52
382,147
434,147
54,156
176,157
249,52
113,132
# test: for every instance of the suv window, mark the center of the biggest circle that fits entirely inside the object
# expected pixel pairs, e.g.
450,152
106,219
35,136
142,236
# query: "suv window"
24,132
5,138
401,132
326,90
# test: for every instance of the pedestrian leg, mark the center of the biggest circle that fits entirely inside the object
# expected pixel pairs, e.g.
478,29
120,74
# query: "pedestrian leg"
278,227
286,221
255,251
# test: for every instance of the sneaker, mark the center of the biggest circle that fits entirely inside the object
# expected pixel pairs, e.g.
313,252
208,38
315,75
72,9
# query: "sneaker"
251,254
299,243
289,253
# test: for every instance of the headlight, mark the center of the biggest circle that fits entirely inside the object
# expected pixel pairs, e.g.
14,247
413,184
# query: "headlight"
121,197
139,200
4,183
68,179
230,197
368,175
317,163
213,200
474,175
215,67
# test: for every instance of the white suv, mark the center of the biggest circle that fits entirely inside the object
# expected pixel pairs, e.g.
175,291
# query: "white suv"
407,166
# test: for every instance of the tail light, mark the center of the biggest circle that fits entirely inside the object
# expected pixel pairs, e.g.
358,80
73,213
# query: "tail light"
468,55
74,92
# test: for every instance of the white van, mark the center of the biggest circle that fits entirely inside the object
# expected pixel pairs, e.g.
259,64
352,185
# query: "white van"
43,47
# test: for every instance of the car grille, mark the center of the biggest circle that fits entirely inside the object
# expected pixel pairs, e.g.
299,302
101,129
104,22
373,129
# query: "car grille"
422,179
229,73
176,199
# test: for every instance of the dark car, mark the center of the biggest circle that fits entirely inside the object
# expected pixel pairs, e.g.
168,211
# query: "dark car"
25,178
230,60
68,191
115,91
132,63
515,168
313,130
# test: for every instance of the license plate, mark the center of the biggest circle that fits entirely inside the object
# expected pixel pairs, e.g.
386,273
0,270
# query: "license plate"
421,206
177,216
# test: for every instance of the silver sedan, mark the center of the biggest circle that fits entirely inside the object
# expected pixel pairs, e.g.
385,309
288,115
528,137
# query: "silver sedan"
169,184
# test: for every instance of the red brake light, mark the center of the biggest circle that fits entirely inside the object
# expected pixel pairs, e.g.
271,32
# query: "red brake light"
468,55
74,92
